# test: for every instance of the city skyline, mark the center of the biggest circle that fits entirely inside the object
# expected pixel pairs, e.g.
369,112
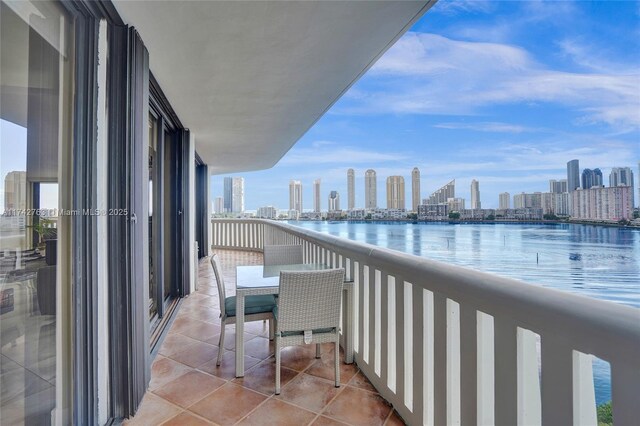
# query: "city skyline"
538,97
395,192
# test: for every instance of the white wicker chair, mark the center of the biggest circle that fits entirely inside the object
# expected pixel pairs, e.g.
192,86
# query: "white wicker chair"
282,255
256,307
309,303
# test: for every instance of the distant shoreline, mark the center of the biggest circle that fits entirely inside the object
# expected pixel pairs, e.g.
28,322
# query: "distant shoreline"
471,222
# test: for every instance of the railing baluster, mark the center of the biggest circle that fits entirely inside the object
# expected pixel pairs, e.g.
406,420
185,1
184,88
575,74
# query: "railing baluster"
557,381
391,333
384,328
366,314
529,410
453,362
584,396
377,326
400,328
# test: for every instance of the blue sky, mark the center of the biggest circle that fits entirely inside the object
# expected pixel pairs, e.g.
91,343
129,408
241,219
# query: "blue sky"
504,92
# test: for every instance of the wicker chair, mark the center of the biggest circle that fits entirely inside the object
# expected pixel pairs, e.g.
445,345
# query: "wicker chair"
256,308
282,255
308,311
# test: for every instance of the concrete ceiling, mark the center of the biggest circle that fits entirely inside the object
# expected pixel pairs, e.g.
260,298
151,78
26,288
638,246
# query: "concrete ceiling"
250,78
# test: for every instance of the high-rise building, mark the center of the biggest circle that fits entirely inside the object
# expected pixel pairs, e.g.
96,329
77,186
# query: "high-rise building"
334,201
443,194
505,201
267,212
599,203
591,178
556,203
237,204
15,190
558,186
228,194
621,176
218,205
351,189
415,189
527,201
395,192
316,195
370,190
573,175
455,204
295,196
475,194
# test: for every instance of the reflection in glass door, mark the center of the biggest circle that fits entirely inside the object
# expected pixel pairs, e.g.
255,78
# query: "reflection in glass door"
35,133
153,167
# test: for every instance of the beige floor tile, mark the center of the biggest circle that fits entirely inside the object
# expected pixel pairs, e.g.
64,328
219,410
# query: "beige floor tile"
310,392
358,407
276,412
189,388
227,405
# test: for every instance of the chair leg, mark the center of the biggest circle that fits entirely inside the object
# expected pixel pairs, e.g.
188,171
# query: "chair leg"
337,357
317,350
272,329
221,344
277,366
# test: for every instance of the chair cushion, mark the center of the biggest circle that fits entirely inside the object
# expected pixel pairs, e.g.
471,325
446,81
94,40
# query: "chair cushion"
252,304
293,333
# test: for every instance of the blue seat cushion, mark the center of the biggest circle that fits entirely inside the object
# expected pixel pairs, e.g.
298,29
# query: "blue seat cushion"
301,332
252,304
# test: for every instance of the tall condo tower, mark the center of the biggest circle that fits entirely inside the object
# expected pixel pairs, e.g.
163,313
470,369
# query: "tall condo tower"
558,186
351,189
316,195
623,176
370,190
415,189
15,190
505,201
295,195
395,192
334,201
475,194
443,194
573,175
237,203
228,194
591,178
218,206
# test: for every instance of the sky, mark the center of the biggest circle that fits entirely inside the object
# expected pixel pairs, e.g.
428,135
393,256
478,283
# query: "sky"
505,92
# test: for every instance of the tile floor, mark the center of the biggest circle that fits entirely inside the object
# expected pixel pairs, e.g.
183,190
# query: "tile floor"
187,388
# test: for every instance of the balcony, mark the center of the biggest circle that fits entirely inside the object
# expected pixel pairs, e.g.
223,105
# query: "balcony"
187,388
451,345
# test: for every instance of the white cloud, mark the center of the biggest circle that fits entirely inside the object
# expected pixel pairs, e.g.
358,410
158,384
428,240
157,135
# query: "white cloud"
338,155
431,74
494,127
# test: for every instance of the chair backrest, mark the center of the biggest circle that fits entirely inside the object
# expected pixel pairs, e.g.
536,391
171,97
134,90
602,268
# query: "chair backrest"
310,300
217,270
282,255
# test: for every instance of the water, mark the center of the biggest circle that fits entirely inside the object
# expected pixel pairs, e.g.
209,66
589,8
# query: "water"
596,261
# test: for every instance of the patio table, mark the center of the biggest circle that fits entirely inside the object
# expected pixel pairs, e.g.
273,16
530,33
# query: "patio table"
260,279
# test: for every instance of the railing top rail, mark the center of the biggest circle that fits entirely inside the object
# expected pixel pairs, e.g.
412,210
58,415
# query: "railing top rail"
605,329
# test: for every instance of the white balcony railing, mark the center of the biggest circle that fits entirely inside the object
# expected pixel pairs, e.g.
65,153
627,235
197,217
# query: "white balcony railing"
450,345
